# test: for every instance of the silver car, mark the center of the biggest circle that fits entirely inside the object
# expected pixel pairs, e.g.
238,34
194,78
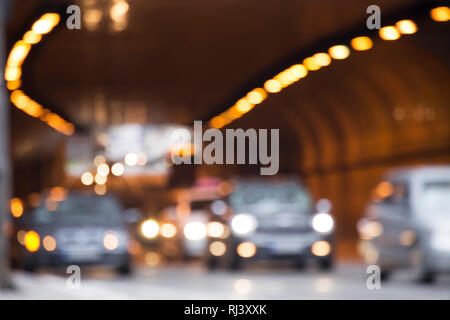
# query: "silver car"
408,222
272,220
81,230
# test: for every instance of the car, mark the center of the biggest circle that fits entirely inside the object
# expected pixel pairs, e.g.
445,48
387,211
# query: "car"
81,230
407,223
271,219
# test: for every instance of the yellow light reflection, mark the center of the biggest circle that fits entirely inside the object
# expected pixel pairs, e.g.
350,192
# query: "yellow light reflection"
311,64
406,27
272,86
256,96
16,207
31,38
440,14
339,52
389,33
322,59
362,43
246,249
32,241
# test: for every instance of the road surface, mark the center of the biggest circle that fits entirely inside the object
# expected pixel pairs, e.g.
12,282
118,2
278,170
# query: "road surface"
347,281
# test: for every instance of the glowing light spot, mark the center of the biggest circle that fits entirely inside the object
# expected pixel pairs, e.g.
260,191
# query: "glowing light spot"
49,243
103,170
58,194
131,159
100,189
273,86
389,33
150,228
87,178
110,241
168,230
406,27
440,14
16,207
31,37
215,229
362,43
32,241
243,105
322,59
99,179
117,169
246,249
339,52
217,248
256,96
311,64
321,248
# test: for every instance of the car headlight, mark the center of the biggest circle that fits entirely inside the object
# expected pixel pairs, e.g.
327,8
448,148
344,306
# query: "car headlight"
150,228
110,240
243,224
323,223
195,230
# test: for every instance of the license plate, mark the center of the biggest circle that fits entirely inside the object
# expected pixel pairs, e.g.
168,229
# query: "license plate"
285,247
82,254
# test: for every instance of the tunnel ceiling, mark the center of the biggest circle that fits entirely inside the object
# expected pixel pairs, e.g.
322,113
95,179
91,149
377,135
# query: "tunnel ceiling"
176,60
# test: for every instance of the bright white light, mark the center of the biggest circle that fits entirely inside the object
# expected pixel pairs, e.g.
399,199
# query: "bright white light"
168,230
103,169
117,169
195,230
87,178
131,159
99,179
215,229
110,241
150,228
244,224
323,223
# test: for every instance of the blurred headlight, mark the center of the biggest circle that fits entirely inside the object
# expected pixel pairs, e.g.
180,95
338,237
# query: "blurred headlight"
168,230
215,229
150,229
49,243
32,241
110,240
323,223
195,230
244,224
369,229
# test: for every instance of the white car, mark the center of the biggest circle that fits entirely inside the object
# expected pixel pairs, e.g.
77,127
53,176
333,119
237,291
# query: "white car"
408,222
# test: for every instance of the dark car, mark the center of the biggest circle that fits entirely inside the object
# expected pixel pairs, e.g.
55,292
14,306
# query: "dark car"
272,220
81,230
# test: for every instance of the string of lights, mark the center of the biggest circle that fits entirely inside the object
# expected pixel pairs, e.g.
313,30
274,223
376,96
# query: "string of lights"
13,75
315,62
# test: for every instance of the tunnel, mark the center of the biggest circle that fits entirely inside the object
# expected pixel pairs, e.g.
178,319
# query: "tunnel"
342,125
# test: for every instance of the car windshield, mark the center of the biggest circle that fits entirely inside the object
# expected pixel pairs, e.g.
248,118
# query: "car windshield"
436,197
80,211
282,194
